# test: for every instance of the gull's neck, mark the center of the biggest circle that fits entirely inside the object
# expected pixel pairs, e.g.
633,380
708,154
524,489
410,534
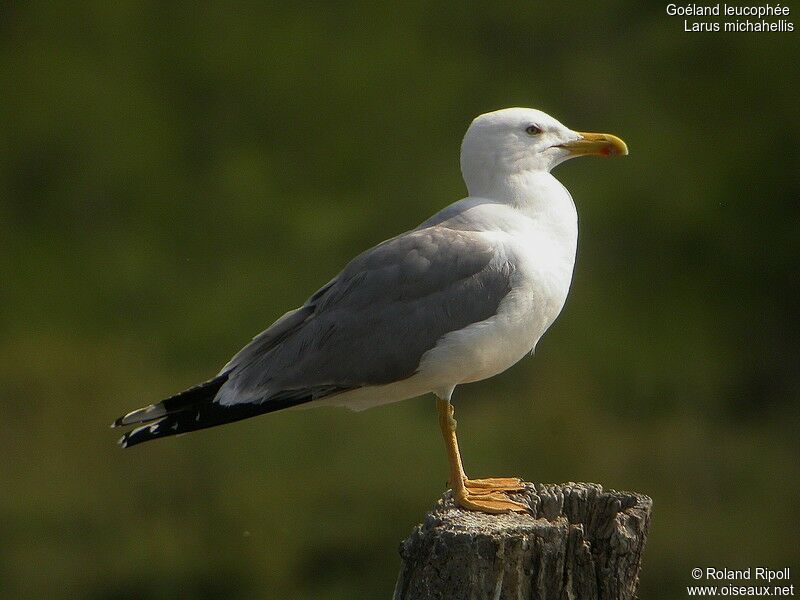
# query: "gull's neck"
536,194
548,215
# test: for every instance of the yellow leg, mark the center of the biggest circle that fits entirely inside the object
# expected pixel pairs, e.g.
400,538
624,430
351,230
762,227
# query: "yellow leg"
484,495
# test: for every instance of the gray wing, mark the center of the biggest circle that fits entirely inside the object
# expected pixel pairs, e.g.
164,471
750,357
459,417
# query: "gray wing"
372,323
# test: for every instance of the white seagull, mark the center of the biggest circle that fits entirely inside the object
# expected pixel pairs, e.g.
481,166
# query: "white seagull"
460,298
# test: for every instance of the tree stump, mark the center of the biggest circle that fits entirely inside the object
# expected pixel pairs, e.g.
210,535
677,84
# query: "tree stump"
578,542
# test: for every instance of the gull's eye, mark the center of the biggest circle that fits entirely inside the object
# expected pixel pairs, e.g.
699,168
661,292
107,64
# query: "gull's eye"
533,130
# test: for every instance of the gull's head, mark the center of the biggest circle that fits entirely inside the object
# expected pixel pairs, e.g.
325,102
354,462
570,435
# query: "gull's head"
511,141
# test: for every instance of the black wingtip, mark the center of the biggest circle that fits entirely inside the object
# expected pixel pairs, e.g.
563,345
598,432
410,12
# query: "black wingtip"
195,409
144,433
126,442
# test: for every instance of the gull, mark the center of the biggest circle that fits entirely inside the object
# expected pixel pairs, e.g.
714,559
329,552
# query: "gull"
460,298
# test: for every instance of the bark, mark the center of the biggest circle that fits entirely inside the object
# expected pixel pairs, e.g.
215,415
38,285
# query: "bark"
579,542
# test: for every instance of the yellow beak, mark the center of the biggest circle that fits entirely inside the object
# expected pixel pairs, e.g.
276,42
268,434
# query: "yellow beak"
598,144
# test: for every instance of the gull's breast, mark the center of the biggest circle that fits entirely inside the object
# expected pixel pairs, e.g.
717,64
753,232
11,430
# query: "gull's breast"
541,276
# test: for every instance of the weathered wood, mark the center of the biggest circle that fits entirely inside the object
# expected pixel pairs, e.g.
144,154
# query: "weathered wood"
579,543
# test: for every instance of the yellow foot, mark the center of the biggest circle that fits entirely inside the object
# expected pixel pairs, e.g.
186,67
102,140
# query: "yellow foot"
494,503
494,484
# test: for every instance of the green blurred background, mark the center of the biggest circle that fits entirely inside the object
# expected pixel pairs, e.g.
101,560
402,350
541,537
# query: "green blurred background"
173,178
